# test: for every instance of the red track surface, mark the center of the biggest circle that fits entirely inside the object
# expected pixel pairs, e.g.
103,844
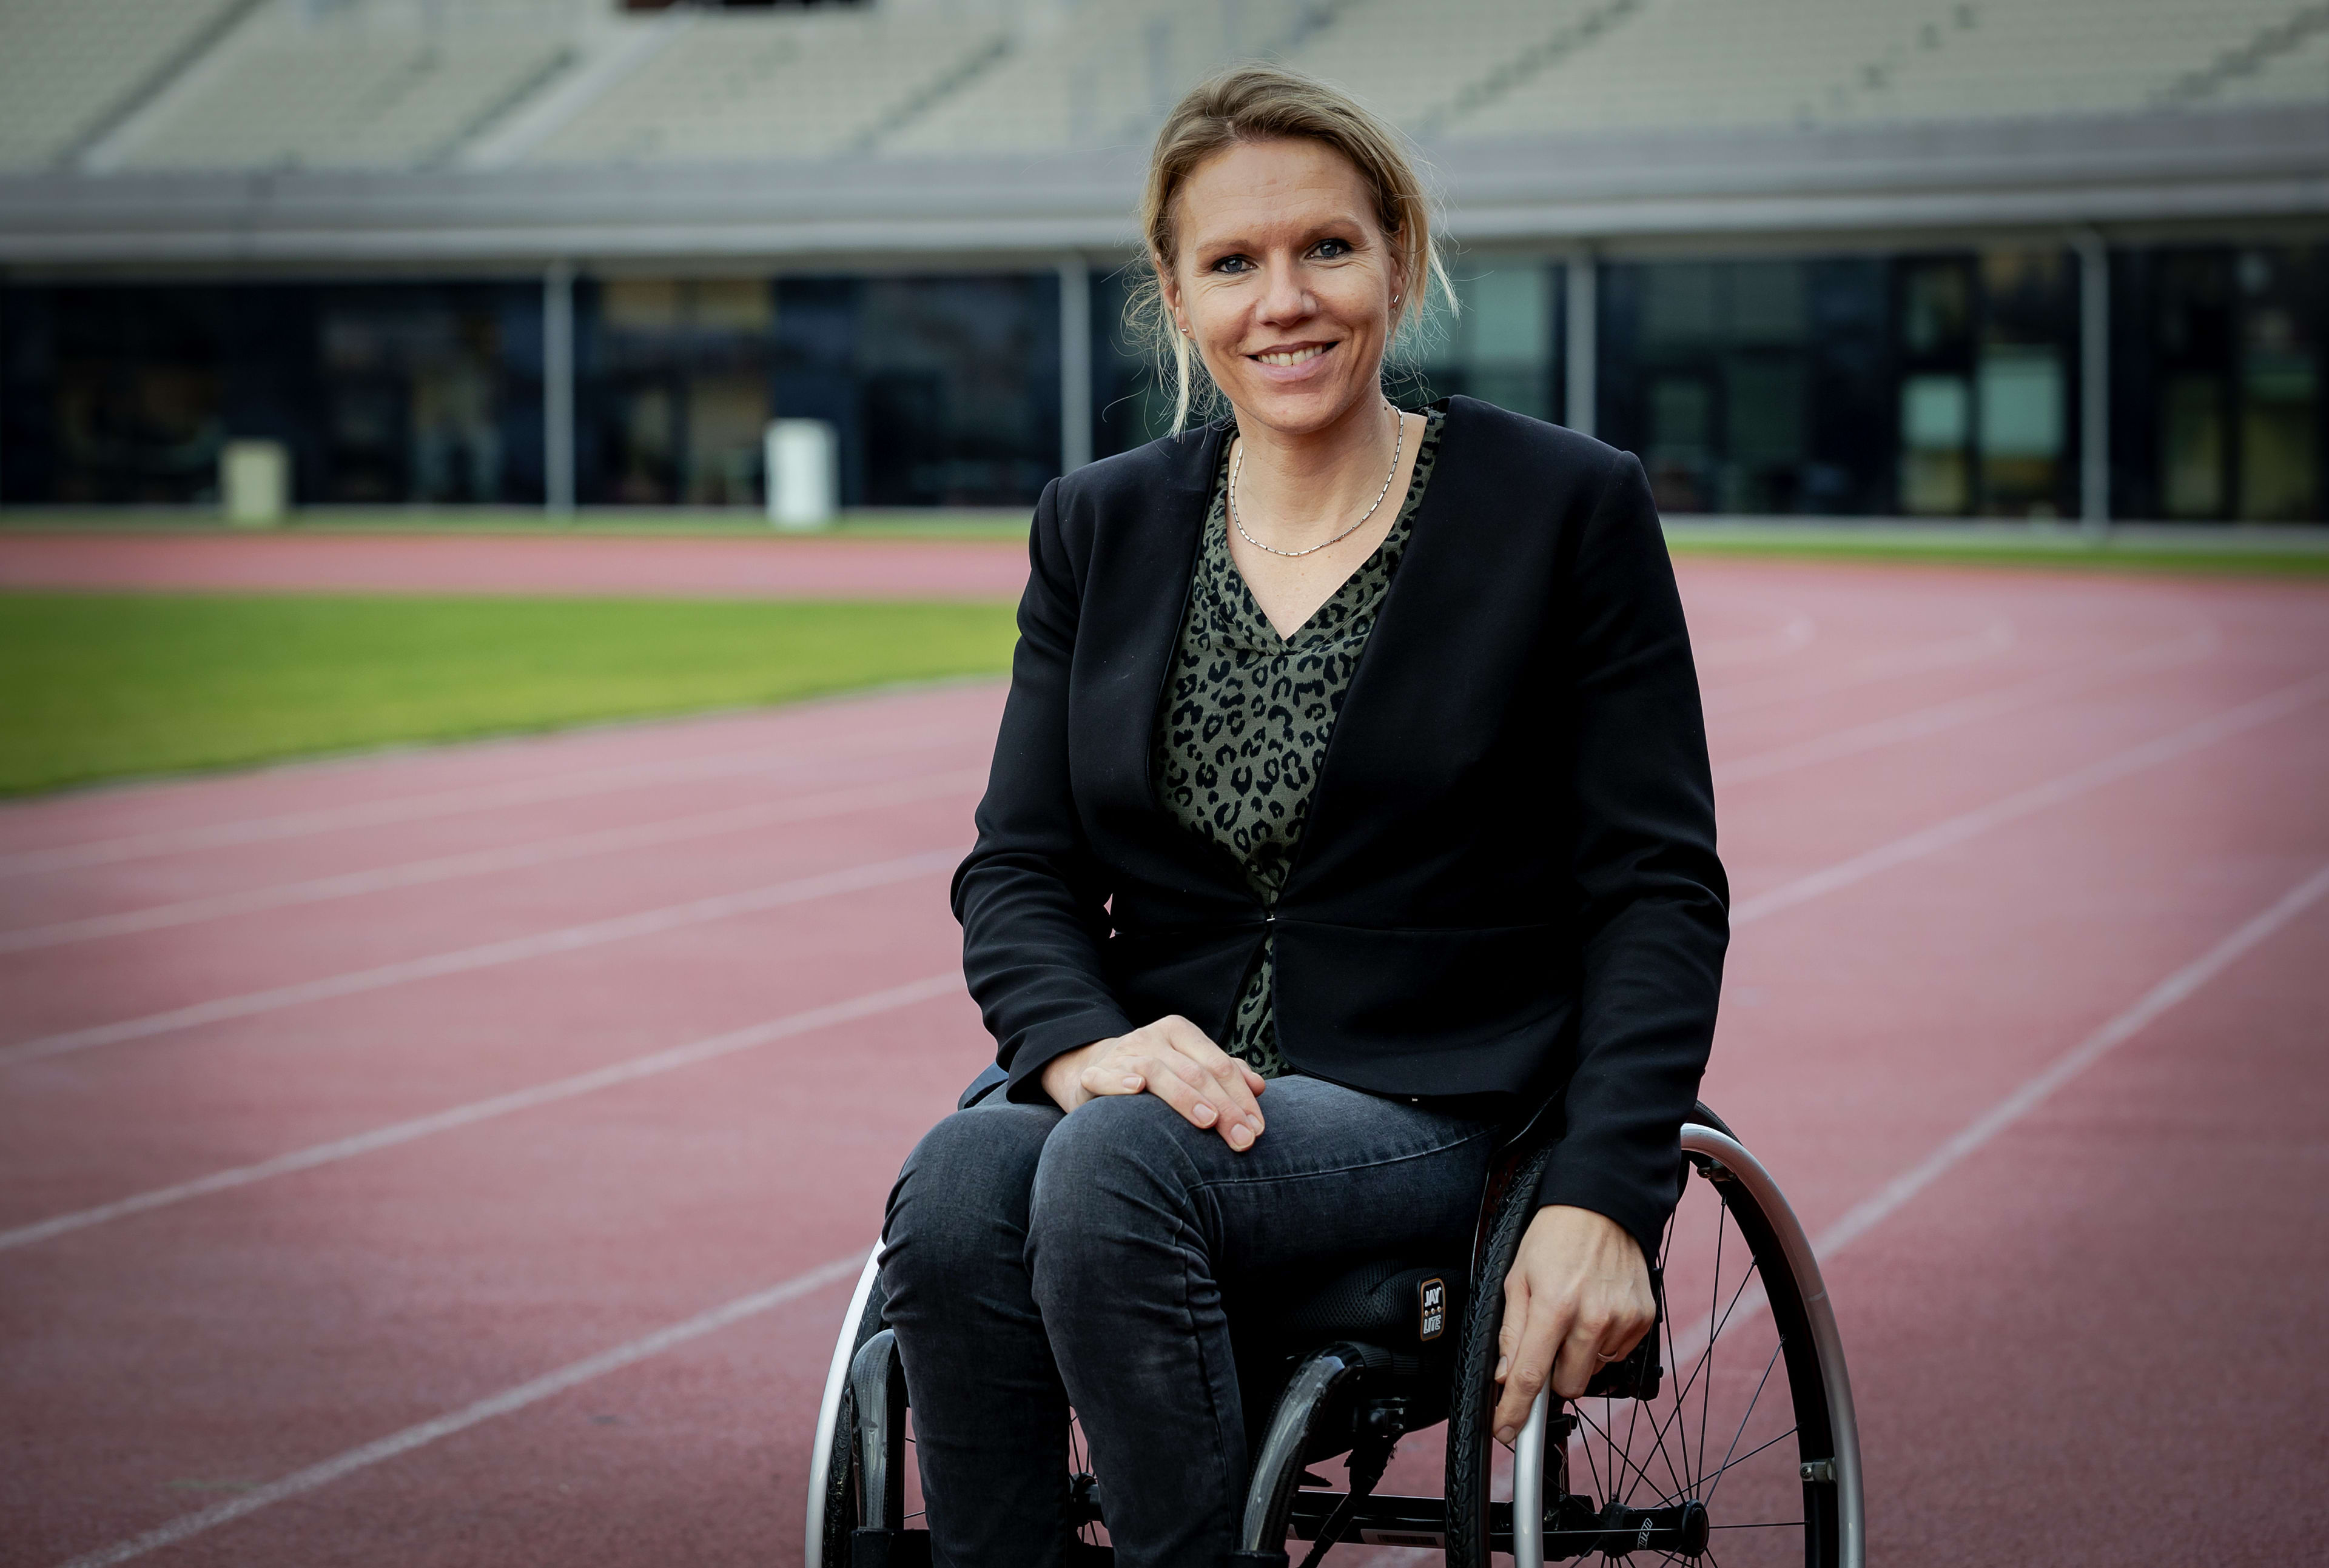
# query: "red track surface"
743,568
1976,821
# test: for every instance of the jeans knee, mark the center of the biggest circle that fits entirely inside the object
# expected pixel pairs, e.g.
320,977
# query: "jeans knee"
961,1200
1112,1175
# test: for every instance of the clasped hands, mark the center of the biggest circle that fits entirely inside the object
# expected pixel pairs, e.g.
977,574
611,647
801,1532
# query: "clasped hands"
1578,1292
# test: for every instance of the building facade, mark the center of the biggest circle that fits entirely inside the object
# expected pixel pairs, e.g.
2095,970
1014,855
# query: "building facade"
1921,260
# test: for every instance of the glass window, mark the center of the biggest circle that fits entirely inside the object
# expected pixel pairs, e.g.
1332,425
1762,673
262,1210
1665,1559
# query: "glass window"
2191,453
674,389
115,395
2280,411
1986,344
2029,315
2217,362
1936,420
960,382
1131,404
1743,385
943,392
384,393
1501,347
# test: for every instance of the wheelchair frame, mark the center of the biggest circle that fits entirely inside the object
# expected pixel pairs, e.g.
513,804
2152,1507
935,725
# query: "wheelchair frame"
1536,1527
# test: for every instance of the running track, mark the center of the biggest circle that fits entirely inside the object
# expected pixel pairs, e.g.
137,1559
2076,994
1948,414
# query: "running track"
460,1157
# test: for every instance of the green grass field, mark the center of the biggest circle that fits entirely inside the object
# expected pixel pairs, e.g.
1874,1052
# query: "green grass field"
2141,547
2249,552
107,686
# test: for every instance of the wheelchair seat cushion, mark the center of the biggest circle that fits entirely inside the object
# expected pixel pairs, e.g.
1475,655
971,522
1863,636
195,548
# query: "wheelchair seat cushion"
1390,1304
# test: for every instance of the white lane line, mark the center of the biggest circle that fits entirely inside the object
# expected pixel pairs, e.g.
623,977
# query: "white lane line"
502,858
1864,1216
1920,723
1992,640
607,1078
570,1375
1854,1224
555,786
1955,830
464,960
1878,1205
2026,802
1799,631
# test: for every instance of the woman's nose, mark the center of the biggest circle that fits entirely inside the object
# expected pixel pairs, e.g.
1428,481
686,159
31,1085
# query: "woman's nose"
1285,299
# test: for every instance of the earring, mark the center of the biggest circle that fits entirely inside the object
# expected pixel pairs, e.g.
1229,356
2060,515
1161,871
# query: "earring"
1394,299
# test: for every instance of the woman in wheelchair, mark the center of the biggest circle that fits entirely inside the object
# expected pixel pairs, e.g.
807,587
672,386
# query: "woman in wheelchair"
1351,805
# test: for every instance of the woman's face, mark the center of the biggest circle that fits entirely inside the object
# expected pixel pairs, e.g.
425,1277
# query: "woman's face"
1284,283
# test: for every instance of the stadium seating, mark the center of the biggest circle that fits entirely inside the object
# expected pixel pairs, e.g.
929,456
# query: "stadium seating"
413,84
357,83
1428,75
737,85
1677,64
1103,75
65,71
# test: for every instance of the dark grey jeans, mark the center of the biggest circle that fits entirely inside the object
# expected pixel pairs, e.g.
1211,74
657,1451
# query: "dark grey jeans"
1035,1260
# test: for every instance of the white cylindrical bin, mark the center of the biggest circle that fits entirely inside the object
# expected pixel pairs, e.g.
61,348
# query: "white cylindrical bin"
804,473
254,482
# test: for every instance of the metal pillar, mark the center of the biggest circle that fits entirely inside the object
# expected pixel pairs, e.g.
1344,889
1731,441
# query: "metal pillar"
1581,320
557,388
2094,384
1075,364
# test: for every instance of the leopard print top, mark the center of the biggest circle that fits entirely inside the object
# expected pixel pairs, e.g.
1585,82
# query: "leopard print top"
1242,731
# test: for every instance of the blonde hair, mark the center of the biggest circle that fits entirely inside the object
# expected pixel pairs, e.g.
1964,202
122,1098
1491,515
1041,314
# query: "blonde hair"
1256,103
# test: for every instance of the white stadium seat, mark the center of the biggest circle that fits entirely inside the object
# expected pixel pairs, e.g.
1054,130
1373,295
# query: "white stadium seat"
64,70
410,84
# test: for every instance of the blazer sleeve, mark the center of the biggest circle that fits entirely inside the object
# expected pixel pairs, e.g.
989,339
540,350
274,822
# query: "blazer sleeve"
1030,895
1654,915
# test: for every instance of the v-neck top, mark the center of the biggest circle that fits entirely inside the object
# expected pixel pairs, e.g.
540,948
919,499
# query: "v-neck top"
1241,734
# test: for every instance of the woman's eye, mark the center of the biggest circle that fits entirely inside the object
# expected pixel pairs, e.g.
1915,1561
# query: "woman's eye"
1232,264
1332,250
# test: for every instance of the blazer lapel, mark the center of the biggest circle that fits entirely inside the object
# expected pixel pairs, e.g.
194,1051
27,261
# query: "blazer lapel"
1397,692
1136,595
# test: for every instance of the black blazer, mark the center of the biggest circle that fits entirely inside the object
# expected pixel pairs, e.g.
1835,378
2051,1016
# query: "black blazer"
1508,884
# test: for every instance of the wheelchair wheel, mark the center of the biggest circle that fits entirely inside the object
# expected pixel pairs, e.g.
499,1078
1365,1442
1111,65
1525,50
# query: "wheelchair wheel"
836,1482
835,1502
1736,1445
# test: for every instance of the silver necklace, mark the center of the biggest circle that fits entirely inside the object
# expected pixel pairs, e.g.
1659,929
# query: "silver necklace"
1399,443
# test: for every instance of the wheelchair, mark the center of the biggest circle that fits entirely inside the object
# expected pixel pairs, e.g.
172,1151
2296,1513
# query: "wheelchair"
1726,1438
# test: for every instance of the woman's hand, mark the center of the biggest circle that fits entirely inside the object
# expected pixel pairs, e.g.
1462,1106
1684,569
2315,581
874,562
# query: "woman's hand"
1173,1060
1579,1295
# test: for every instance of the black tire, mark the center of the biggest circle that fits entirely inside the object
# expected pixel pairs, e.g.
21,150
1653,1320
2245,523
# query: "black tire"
1471,1451
843,1508
844,1498
1717,1432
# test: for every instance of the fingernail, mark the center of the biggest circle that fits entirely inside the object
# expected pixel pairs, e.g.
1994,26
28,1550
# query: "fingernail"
1239,1138
1506,1434
1205,1114
1503,1364
1131,1081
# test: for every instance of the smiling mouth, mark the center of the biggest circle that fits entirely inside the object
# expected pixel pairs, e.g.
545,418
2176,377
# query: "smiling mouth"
1294,356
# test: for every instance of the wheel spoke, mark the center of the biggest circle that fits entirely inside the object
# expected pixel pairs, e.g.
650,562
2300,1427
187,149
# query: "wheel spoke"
1658,1445
1717,1477
1632,1419
1749,1454
1666,1252
1652,1459
1592,1469
1619,1456
1714,1294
